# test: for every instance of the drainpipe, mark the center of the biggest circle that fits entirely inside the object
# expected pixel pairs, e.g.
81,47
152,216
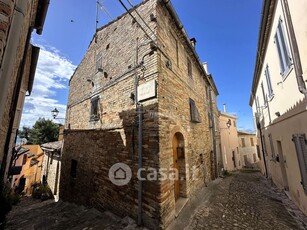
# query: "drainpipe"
213,132
294,48
140,165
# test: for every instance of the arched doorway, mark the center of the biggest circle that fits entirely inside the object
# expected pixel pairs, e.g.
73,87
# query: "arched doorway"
179,166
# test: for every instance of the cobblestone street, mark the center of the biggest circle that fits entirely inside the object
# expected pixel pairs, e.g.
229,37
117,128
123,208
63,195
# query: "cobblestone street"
245,200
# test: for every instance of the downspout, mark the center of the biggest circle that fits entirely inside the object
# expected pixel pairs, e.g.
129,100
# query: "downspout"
213,133
294,49
140,165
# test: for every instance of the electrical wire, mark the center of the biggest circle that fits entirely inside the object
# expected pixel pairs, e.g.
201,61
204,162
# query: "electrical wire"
140,17
154,42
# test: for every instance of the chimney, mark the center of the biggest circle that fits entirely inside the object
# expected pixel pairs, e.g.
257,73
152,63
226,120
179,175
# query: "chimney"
205,65
224,106
193,42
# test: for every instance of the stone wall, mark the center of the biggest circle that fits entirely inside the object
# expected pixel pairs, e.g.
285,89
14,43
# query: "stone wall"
175,89
11,58
113,136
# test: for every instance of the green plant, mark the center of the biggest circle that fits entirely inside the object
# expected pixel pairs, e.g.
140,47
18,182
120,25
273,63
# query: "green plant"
42,191
226,173
8,198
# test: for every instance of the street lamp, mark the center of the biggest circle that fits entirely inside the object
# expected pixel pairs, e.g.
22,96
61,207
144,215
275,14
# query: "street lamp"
55,113
228,123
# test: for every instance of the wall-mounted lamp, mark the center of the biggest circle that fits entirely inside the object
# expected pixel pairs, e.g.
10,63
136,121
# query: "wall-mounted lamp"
228,123
55,113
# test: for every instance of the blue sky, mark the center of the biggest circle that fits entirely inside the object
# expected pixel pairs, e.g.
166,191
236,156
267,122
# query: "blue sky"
226,32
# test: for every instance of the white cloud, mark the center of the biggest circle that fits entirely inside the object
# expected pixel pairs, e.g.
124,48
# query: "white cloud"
52,73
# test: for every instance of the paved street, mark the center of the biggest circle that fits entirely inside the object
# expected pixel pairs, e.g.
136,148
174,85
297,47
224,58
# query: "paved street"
244,200
35,215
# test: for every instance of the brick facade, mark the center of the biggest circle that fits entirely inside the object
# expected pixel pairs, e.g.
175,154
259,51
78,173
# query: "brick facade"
112,137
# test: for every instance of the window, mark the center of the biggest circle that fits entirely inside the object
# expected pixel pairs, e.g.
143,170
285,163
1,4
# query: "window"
189,68
263,94
234,124
301,151
195,117
282,49
73,169
94,109
98,60
243,142
258,151
252,141
268,81
272,146
257,105
24,159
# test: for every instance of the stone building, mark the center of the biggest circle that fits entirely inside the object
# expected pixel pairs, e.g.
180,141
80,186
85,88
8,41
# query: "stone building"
247,148
51,166
18,59
278,96
229,142
102,121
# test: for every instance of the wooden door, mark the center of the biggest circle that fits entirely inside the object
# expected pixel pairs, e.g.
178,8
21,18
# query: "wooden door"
282,166
176,167
245,160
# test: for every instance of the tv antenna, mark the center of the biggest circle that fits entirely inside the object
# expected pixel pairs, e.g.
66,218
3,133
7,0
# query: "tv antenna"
103,9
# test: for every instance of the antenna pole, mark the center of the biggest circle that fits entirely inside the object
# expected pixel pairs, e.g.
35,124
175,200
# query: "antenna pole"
96,15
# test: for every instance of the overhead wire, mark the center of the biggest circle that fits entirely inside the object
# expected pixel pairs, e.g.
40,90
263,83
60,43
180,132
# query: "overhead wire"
153,41
136,11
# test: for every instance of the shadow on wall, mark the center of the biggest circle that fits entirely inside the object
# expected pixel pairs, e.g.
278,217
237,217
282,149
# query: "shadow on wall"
89,154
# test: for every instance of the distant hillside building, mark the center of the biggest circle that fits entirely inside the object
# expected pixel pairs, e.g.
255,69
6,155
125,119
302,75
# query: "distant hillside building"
229,142
102,121
247,148
279,93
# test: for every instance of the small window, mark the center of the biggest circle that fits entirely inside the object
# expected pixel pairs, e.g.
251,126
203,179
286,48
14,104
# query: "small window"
24,159
282,49
94,109
263,94
252,141
189,68
243,142
272,146
258,106
258,151
98,62
195,117
268,81
73,169
301,151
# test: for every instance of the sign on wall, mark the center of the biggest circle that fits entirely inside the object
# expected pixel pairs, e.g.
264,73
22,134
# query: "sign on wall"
147,90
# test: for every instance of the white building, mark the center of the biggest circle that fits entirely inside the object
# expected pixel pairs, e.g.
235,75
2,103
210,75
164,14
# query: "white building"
278,97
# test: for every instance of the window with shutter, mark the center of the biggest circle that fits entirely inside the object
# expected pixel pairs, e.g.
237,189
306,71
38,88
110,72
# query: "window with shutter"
301,151
195,117
282,49
268,81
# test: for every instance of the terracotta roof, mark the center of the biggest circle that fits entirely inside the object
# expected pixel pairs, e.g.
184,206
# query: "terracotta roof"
53,146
